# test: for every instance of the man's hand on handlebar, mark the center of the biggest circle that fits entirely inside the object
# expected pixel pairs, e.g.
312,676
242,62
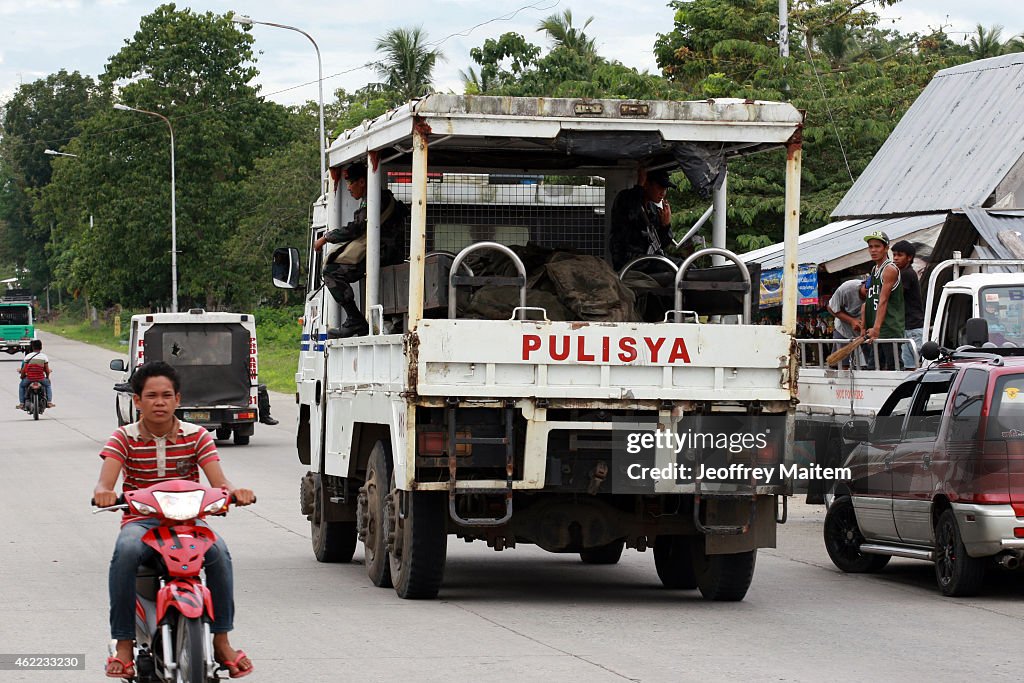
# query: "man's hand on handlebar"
243,496
104,498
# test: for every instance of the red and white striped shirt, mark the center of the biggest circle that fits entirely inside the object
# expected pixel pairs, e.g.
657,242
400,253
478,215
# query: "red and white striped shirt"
146,459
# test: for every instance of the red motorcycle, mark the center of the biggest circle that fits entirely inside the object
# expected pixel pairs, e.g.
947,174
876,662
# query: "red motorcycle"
174,608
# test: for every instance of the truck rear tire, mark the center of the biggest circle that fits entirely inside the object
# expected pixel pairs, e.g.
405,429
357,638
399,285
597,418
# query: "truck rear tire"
723,578
673,558
421,543
332,541
223,433
241,439
605,554
376,485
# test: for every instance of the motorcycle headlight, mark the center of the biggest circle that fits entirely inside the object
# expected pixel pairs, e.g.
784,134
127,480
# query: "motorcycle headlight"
184,505
143,508
215,506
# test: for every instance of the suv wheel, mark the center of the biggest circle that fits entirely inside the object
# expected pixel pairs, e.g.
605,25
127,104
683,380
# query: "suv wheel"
843,539
957,573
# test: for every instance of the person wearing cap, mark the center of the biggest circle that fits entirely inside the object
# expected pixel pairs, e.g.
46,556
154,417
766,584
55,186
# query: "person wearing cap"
903,253
845,306
883,314
347,264
641,220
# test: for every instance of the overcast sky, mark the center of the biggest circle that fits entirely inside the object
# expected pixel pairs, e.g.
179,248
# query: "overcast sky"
39,37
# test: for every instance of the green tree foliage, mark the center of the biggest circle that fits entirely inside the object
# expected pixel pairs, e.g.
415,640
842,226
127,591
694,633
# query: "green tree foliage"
196,70
407,66
854,80
42,114
560,29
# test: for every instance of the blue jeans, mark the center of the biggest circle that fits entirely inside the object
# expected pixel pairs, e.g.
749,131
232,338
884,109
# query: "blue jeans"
917,336
23,390
130,552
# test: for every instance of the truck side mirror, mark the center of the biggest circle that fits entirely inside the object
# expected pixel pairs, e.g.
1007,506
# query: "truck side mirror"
118,365
976,332
857,431
930,350
285,268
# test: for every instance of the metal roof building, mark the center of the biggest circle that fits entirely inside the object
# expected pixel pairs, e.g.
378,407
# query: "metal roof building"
963,136
950,175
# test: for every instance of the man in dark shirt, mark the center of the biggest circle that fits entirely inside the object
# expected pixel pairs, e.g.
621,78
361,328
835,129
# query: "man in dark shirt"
903,253
641,220
347,264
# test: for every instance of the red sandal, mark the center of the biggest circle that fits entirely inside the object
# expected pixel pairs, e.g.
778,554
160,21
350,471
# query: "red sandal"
127,668
232,667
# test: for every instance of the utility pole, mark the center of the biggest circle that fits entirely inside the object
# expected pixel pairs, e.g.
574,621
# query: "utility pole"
784,28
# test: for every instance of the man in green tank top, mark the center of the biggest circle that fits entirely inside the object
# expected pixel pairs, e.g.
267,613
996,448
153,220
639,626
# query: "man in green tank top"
882,316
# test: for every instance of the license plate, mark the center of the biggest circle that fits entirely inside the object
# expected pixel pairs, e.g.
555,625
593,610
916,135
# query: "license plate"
197,415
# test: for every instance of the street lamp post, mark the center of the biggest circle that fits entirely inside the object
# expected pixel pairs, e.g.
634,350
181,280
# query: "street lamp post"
249,21
174,220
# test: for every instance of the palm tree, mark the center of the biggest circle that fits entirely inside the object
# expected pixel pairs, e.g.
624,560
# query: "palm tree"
560,29
408,64
986,42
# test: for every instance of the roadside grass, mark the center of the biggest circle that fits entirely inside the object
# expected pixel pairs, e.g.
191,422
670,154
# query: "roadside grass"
277,331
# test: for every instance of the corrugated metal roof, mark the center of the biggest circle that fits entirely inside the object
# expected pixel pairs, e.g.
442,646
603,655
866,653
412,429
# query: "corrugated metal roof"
952,147
991,222
841,238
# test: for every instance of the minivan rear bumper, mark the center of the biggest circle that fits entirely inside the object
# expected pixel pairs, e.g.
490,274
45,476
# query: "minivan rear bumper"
988,529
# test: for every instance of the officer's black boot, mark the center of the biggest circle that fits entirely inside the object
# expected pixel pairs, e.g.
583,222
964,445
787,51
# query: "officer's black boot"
354,326
264,406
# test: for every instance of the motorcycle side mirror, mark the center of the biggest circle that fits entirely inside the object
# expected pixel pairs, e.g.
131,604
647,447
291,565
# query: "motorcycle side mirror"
930,350
285,268
118,365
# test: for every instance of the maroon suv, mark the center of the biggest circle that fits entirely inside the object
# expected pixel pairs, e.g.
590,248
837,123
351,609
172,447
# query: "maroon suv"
939,475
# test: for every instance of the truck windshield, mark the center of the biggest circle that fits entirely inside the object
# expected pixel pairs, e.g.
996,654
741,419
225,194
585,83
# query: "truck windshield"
14,315
1003,308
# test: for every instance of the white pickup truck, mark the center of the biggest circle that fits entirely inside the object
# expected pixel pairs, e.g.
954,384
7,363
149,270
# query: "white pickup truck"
830,396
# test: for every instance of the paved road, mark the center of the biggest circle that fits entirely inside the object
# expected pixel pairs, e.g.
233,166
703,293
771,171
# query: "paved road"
518,615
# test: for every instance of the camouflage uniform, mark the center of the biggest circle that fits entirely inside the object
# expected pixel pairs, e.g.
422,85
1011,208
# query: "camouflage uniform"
636,228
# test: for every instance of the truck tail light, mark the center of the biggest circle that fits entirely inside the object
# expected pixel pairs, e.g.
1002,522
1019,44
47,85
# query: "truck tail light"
432,444
1018,532
246,416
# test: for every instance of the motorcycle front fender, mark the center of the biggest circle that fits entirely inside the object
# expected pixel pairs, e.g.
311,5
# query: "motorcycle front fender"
188,596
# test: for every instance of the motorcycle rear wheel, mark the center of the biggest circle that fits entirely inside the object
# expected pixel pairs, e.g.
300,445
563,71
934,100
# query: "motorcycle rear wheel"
188,650
36,409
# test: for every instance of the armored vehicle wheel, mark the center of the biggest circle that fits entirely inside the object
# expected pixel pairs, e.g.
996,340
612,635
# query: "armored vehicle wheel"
606,554
673,558
957,573
723,578
418,524
843,539
332,541
375,490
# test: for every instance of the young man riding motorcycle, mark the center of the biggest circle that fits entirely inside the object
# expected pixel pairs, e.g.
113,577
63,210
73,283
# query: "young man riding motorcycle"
157,448
35,368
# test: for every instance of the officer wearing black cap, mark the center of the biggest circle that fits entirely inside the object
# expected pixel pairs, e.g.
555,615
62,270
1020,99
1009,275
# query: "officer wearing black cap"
641,220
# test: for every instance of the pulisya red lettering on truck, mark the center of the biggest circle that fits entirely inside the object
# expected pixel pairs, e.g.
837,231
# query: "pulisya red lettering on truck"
581,349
